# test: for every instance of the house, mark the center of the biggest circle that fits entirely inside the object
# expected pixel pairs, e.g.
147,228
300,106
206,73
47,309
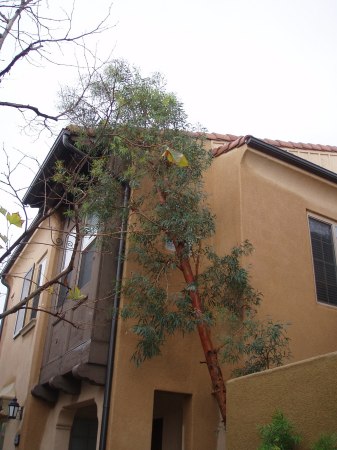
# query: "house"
70,368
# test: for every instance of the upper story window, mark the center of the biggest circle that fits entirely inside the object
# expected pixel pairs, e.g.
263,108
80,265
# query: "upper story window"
21,314
66,257
87,251
34,278
83,262
323,241
39,281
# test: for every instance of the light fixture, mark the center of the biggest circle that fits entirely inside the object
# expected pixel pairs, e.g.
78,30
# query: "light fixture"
14,409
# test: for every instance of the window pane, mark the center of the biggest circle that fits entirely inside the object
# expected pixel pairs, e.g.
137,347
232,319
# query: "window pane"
39,282
68,251
20,315
324,261
87,259
90,231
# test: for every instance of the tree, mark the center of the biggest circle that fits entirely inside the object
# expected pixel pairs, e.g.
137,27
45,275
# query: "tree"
130,130
144,130
30,31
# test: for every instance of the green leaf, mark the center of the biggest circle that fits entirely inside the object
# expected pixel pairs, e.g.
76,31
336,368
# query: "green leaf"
15,219
3,211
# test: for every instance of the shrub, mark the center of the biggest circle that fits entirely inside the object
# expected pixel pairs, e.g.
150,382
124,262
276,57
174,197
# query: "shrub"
326,442
279,434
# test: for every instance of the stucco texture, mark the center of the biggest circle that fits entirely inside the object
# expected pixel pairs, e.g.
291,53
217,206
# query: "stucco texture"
305,392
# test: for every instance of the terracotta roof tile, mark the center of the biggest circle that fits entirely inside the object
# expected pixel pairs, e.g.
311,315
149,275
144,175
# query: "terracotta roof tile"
232,141
229,145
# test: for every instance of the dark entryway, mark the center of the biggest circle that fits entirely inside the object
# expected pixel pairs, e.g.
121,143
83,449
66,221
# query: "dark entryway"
168,421
83,433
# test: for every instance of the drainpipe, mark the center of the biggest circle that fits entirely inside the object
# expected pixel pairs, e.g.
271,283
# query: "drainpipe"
113,330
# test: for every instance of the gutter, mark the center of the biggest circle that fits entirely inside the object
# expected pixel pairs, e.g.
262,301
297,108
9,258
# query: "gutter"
113,330
68,145
289,158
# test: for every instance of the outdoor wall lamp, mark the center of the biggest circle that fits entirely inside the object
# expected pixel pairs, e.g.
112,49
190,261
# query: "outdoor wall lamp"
15,411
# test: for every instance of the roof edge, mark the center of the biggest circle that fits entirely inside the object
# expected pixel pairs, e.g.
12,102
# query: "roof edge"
290,158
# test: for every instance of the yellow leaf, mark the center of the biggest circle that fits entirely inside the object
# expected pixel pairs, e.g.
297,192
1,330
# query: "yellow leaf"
75,294
15,219
174,157
51,290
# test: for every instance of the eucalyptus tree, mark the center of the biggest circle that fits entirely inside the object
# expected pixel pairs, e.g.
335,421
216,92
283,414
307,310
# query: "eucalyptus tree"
131,132
135,132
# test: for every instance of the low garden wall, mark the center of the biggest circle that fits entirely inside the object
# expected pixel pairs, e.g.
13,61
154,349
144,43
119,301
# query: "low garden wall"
306,393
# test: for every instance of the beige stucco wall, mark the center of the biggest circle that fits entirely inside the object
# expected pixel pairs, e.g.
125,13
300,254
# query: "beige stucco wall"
177,370
267,201
258,198
305,392
59,417
20,357
44,426
253,196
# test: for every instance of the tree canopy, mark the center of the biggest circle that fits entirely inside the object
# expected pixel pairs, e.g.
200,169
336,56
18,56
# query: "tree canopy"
130,133
135,132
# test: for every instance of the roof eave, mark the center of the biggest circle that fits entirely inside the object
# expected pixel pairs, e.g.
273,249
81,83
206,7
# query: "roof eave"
290,158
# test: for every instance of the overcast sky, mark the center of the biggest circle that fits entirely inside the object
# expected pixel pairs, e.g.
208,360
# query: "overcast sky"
261,67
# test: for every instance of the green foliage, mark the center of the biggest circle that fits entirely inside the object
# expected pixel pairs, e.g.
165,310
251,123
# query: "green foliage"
261,344
131,130
226,283
326,442
279,434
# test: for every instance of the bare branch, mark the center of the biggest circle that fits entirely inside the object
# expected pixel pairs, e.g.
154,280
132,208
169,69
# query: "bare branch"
54,280
30,32
58,314
38,113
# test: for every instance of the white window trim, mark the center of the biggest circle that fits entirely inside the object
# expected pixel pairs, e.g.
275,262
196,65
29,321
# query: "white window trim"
21,313
38,282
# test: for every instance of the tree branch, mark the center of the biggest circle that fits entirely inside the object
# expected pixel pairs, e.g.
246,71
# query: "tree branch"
38,113
51,282
57,314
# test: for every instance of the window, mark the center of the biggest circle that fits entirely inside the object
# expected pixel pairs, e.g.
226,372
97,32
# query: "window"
68,250
21,314
323,241
87,251
40,279
83,262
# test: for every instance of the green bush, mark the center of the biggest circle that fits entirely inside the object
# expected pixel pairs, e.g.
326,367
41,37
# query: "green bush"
326,442
279,434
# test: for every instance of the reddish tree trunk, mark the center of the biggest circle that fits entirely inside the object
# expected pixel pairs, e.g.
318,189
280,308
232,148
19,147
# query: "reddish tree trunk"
211,355
210,352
